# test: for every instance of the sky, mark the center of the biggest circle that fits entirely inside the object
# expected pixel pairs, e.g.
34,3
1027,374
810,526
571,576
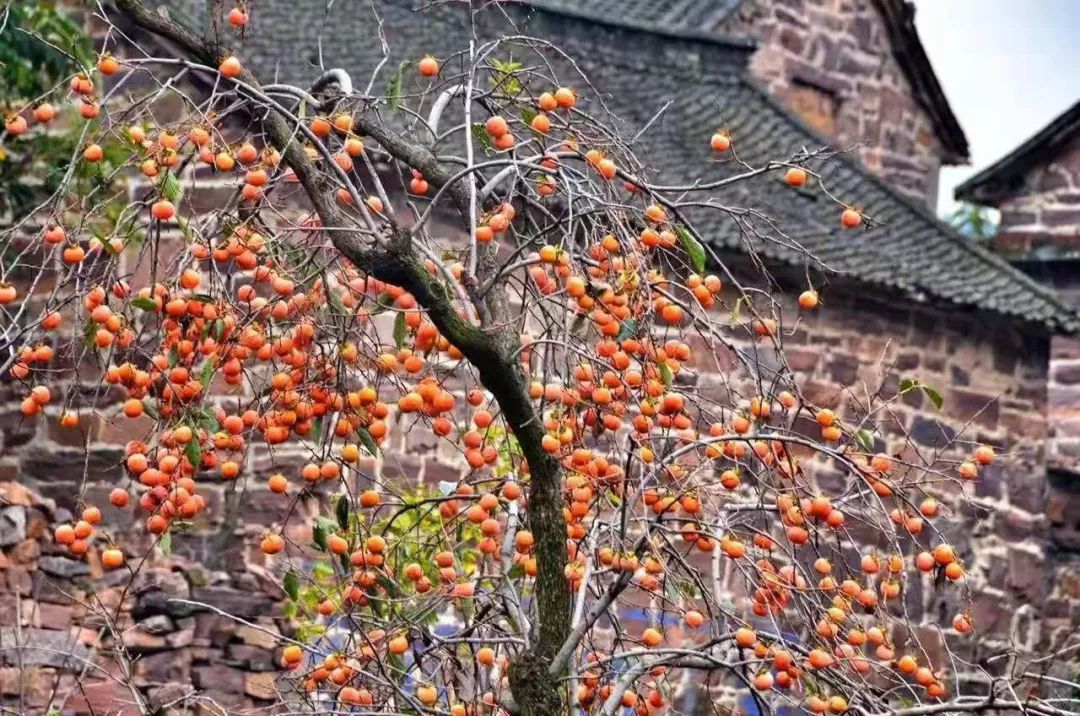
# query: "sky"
1008,67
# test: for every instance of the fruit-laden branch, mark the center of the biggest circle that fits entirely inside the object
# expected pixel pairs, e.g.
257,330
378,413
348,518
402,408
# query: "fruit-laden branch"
492,351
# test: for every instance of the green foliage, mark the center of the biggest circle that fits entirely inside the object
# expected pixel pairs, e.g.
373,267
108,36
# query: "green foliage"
504,77
694,250
393,86
30,67
978,222
909,384
40,48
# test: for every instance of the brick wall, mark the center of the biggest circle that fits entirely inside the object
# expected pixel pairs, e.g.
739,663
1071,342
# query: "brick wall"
832,63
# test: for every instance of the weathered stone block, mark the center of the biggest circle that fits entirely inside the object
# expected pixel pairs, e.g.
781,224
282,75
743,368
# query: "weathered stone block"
41,647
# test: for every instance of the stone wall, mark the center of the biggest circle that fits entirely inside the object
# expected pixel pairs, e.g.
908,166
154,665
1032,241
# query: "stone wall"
58,615
832,63
1045,210
1040,225
993,383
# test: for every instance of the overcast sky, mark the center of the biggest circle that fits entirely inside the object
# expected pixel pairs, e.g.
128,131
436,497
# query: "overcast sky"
1008,67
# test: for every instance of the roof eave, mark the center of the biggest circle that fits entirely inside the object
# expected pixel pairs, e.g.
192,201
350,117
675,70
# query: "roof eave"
1002,178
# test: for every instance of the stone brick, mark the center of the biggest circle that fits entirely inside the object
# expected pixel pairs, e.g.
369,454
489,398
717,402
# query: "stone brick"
990,612
932,433
102,697
19,581
40,647
25,552
1054,217
54,616
801,360
33,685
969,405
165,666
238,603
1028,575
258,637
220,678
989,483
1027,490
63,567
12,525
844,369
250,657
260,685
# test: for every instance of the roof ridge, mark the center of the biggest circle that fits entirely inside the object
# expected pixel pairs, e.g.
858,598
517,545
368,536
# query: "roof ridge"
968,189
710,38
922,211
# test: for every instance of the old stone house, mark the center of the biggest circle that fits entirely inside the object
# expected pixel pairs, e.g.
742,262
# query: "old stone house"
907,298
1036,189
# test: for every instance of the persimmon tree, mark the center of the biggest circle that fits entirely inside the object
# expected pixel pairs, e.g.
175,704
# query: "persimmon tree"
546,341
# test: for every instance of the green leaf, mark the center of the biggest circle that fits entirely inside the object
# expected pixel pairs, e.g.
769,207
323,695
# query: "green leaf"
382,302
507,67
145,303
367,441
528,114
108,247
170,187
627,329
865,439
736,310
933,395
665,373
322,571
193,451
505,78
481,137
207,373
205,417
318,536
341,510
399,329
291,584
164,543
150,410
389,585
393,87
693,247
907,385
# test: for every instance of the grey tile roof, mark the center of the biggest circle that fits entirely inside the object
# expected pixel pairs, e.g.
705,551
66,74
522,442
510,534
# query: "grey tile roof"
638,70
684,15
